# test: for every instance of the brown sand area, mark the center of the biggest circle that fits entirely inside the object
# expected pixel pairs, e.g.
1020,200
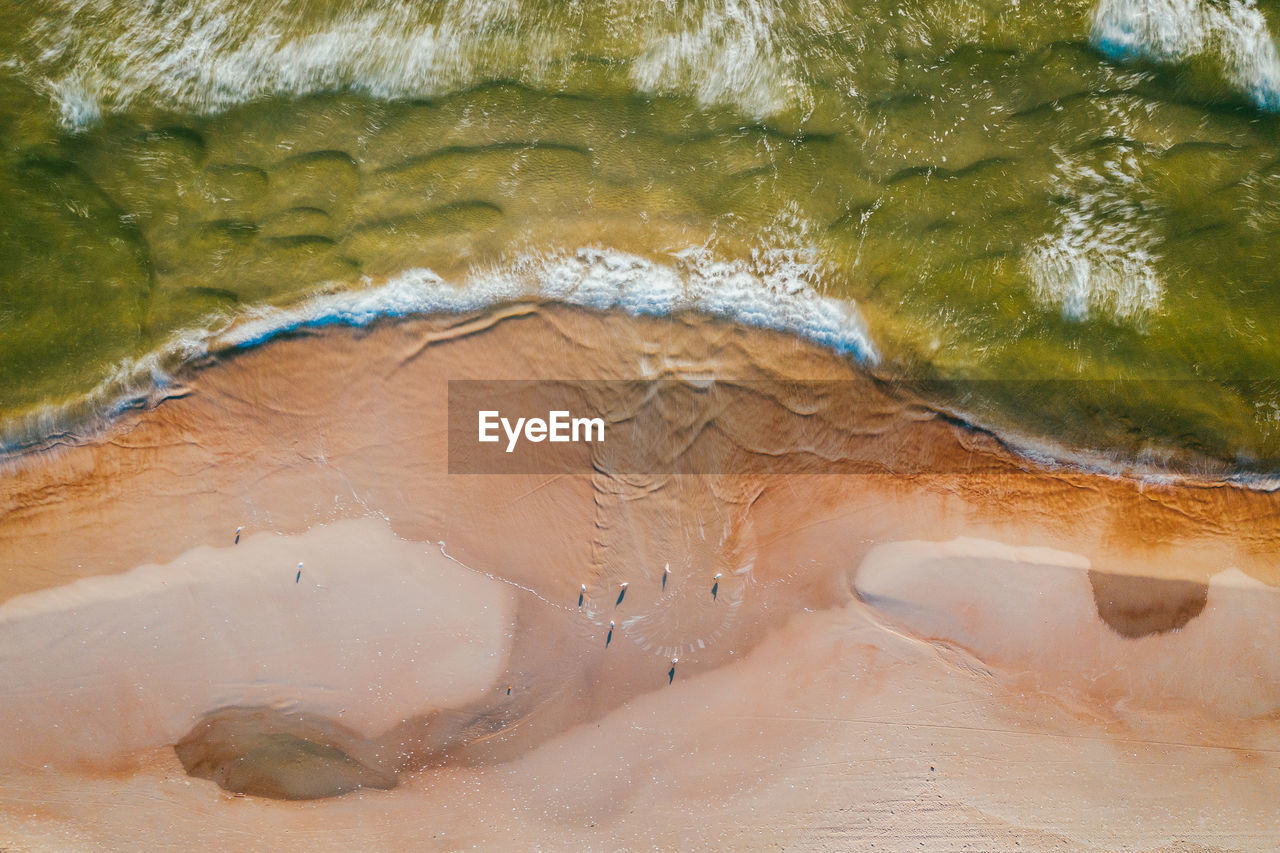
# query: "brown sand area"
961,651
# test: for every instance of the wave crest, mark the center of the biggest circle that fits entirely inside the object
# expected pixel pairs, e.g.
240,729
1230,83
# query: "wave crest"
205,56
771,291
1235,32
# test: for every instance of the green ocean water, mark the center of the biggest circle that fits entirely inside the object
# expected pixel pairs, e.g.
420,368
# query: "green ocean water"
997,191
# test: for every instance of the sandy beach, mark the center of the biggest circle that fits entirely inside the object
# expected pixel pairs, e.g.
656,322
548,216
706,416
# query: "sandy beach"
617,425
962,651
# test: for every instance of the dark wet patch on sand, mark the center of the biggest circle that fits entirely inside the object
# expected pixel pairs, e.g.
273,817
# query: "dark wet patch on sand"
1137,606
285,756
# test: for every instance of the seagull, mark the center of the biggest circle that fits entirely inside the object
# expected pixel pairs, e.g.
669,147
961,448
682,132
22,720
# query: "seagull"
238,529
609,639
665,573
715,587
671,673
621,594
582,593
299,577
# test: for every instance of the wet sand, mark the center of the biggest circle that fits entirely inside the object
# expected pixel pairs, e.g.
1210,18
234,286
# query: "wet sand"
963,651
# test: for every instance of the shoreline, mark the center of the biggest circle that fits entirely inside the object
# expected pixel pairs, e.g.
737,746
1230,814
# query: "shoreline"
163,374
688,280
999,454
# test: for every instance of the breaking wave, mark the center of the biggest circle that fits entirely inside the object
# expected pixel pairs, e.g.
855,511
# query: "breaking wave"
1234,33
204,56
1103,255
772,291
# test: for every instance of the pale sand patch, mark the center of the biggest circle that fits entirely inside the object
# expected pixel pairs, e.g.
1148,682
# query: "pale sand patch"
1032,612
833,733
375,630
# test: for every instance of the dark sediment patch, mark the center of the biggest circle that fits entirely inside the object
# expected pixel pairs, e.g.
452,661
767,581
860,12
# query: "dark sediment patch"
453,155
1137,606
301,241
236,228
284,756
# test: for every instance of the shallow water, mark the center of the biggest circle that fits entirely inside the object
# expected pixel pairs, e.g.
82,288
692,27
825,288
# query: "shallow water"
986,189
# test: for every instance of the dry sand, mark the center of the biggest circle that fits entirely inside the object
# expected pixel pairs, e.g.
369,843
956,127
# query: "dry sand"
370,631
962,652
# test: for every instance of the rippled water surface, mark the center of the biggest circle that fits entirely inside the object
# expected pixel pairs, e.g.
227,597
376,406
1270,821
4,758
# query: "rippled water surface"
958,190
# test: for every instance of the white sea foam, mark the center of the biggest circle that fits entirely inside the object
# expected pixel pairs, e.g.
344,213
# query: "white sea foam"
205,56
97,56
771,291
730,55
133,383
1103,254
208,55
1153,465
1235,32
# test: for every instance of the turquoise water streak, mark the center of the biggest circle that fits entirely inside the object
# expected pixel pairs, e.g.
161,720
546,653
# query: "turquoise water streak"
990,190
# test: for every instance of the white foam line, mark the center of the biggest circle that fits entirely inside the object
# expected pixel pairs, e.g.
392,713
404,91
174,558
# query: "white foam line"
771,292
1103,255
1235,32
98,56
731,55
1151,466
